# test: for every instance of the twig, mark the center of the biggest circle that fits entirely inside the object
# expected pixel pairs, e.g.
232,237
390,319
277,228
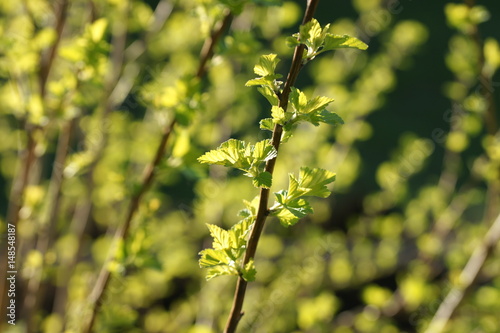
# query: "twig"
49,59
207,51
467,278
96,297
47,233
262,212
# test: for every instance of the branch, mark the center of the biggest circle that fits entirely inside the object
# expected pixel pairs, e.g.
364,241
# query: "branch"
207,50
262,213
467,278
148,179
46,65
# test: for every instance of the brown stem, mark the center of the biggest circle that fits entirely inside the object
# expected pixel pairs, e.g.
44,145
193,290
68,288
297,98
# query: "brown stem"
96,297
121,233
47,232
46,65
262,212
19,185
207,51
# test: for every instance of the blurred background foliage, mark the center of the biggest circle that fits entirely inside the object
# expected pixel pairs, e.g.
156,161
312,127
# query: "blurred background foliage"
88,86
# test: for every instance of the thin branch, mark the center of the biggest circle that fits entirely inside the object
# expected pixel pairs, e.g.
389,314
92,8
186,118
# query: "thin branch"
207,51
49,59
466,280
148,179
262,212
47,232
121,233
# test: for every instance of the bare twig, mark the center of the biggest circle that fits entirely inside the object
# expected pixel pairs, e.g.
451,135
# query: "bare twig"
263,211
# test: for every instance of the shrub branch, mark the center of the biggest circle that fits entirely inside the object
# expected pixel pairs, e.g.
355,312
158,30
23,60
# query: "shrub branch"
96,297
263,211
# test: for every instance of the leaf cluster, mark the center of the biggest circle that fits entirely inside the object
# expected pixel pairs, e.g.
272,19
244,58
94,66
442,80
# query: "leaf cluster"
290,204
318,40
225,258
240,155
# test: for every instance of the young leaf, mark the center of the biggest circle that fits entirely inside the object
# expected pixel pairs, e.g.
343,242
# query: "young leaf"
279,115
312,36
317,104
263,179
220,236
290,213
248,273
312,182
267,124
298,100
211,257
264,151
220,270
227,154
238,232
330,118
260,81
238,154
267,65
269,94
345,41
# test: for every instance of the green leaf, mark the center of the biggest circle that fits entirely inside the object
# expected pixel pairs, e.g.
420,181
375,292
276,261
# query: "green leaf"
269,94
243,156
330,118
267,65
263,179
293,40
248,273
267,124
227,154
279,115
260,81
298,100
312,36
317,104
313,110
220,236
238,232
221,270
264,151
211,257
341,42
290,206
290,213
312,182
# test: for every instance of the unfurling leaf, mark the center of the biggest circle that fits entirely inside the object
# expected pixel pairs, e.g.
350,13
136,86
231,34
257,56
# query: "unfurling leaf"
248,273
267,65
238,154
318,40
290,205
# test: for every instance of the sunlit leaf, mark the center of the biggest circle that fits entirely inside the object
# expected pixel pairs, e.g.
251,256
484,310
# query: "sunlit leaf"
341,42
267,65
220,236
